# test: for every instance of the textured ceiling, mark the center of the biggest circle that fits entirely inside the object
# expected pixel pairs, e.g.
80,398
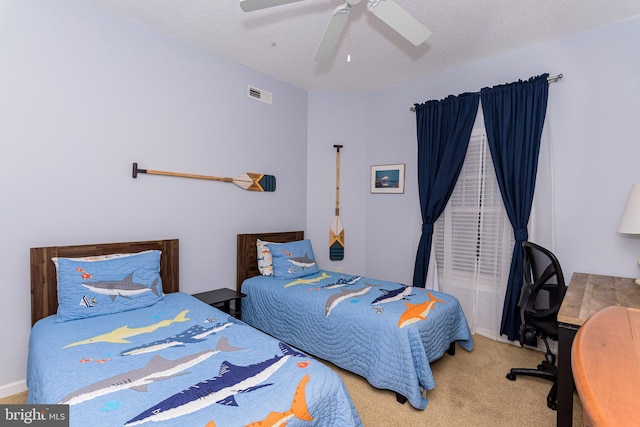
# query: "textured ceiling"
281,41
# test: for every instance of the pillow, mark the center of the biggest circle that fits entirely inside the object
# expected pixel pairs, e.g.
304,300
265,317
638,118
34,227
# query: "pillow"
292,260
264,258
94,286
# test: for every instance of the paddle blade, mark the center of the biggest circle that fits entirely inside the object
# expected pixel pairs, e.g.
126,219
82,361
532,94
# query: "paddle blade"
336,240
256,182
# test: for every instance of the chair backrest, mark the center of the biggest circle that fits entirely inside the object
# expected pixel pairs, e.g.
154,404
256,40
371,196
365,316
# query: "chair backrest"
543,289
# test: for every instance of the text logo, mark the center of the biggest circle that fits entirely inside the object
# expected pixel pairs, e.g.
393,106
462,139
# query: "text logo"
34,415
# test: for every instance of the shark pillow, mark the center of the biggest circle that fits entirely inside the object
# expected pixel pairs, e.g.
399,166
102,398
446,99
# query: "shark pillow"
292,260
97,286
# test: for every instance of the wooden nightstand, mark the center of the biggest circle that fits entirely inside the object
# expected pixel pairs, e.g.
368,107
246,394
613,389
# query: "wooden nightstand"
221,298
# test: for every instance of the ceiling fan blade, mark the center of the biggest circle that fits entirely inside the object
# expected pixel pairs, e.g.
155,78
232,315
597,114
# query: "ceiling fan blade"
332,32
251,5
398,19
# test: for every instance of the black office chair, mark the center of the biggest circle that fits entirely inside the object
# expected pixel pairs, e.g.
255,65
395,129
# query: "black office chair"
540,299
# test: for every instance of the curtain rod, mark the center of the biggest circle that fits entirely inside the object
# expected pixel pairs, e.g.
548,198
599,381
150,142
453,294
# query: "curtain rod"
550,79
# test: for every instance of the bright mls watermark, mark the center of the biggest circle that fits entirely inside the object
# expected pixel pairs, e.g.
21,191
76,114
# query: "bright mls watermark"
34,415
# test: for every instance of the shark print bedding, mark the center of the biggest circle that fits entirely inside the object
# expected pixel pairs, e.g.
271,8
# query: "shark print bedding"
180,362
385,332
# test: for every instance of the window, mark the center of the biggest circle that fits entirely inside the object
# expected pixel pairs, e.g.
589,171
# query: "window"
474,240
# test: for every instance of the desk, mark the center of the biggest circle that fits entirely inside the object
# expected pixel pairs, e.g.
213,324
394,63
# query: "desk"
606,367
586,295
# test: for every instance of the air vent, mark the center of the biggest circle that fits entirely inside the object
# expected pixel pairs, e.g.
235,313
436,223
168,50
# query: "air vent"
260,95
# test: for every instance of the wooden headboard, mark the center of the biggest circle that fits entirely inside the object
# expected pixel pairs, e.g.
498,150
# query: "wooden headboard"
44,287
247,257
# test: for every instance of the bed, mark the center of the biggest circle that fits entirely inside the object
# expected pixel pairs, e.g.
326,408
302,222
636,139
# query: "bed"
386,332
175,361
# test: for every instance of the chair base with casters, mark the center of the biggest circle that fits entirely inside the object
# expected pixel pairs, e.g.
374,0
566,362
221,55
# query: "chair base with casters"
540,298
547,369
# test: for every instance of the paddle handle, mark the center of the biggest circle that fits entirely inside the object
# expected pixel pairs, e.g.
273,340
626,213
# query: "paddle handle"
137,170
338,147
189,175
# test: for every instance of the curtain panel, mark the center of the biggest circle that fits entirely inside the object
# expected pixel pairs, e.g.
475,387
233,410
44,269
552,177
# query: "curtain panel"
514,116
443,131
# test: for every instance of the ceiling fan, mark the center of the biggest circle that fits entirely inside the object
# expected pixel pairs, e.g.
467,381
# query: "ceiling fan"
387,11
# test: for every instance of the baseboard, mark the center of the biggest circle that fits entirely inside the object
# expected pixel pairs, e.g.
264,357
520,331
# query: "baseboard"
13,388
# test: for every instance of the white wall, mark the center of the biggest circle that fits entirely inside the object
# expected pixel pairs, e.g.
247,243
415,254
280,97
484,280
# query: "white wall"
83,95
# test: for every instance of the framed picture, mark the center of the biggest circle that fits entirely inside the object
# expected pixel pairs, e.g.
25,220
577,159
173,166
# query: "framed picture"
387,178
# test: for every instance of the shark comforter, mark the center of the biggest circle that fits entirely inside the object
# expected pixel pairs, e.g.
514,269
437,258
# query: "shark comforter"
383,331
180,362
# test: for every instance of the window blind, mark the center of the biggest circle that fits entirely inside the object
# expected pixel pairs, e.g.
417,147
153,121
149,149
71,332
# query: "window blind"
474,240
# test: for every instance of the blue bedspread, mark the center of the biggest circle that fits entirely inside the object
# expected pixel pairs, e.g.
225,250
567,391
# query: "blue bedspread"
383,331
180,362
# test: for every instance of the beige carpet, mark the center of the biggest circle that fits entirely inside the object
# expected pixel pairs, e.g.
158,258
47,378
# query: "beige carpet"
16,399
471,390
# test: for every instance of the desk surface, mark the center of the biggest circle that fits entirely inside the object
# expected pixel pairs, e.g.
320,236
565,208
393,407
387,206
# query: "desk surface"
586,295
606,367
589,293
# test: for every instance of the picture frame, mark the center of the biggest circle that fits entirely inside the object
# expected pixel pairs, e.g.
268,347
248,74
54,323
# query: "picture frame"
387,179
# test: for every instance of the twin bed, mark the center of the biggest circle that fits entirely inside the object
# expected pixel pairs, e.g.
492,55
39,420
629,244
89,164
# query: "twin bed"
118,351
115,339
385,332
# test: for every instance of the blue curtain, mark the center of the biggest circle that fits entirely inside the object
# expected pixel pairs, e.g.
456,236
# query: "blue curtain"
444,128
514,116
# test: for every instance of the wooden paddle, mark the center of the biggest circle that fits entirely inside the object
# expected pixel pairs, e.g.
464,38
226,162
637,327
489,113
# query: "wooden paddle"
336,233
249,181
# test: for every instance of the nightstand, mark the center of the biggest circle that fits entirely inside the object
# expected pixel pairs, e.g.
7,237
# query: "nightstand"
221,298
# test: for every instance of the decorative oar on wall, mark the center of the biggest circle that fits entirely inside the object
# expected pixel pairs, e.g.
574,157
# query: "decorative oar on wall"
248,181
336,233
